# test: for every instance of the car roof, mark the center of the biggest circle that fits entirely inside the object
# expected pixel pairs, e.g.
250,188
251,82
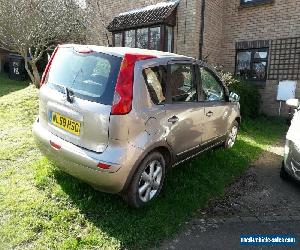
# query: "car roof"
121,51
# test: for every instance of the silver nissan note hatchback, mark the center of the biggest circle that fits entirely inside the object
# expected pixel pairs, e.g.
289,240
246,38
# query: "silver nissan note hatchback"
118,118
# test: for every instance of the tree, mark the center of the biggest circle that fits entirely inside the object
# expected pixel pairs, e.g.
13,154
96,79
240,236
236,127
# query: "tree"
32,27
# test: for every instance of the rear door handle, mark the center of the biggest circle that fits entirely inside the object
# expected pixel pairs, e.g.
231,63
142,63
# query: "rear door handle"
209,114
173,119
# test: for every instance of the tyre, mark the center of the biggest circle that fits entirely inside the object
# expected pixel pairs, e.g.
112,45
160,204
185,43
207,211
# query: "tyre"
283,174
232,135
147,182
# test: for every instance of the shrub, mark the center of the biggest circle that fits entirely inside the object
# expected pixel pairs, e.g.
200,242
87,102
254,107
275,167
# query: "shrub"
249,94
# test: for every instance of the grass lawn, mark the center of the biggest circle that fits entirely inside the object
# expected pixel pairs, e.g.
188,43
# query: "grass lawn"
43,208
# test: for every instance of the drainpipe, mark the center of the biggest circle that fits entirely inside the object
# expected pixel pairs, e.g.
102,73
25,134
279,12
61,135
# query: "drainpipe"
201,42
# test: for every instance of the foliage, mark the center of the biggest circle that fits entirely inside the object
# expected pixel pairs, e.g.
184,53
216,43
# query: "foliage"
31,27
43,208
250,98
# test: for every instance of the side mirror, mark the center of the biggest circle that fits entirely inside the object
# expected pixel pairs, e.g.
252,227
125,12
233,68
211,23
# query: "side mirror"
294,103
233,97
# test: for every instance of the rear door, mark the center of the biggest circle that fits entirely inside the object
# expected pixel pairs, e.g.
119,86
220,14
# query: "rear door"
75,101
184,112
217,109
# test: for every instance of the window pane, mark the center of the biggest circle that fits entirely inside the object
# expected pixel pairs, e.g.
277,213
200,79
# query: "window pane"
118,40
261,55
244,64
183,87
259,71
169,35
154,42
130,38
212,89
90,76
252,64
142,38
154,78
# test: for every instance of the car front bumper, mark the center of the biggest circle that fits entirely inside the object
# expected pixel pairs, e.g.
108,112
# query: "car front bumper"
82,163
292,160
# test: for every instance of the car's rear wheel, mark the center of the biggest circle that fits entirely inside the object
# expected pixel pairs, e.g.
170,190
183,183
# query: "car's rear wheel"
147,182
232,135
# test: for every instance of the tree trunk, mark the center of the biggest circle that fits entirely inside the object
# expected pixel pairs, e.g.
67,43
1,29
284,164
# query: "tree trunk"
36,74
28,70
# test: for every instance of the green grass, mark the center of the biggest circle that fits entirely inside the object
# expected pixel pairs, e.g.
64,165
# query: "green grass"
8,86
43,208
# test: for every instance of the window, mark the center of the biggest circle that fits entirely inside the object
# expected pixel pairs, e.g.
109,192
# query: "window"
156,84
251,64
169,39
211,87
146,38
142,38
183,88
254,2
118,39
90,76
130,38
154,42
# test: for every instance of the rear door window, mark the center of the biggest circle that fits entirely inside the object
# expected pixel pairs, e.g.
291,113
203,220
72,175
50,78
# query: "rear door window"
183,87
91,76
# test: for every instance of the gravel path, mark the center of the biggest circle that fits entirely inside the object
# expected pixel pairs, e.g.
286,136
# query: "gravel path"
259,202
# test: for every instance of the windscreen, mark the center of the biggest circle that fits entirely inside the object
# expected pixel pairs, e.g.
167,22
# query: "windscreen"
90,76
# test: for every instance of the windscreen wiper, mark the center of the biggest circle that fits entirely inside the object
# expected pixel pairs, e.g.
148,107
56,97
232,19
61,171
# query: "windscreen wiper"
70,95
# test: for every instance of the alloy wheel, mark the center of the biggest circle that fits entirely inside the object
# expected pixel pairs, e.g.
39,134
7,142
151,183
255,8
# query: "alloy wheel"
150,181
232,136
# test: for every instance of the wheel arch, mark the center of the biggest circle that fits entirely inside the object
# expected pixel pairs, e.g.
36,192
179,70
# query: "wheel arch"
162,148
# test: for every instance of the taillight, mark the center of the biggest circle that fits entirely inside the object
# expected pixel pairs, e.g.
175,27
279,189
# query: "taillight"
122,103
46,71
103,165
55,145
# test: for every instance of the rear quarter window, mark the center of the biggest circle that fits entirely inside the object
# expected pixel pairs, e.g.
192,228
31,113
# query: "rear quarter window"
155,79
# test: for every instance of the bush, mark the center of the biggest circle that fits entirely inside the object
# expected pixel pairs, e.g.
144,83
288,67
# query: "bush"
249,94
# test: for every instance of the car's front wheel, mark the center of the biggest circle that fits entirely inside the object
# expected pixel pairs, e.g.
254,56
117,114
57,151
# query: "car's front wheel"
147,182
232,135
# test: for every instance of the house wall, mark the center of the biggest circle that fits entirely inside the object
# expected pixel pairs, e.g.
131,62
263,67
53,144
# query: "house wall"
279,19
226,23
186,32
213,31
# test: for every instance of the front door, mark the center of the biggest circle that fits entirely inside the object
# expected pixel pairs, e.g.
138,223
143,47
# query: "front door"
217,109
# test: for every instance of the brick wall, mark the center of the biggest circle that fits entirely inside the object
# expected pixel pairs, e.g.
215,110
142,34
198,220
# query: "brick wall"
213,31
226,23
265,22
187,30
278,20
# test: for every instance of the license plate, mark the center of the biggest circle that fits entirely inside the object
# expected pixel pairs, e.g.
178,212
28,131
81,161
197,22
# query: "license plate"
65,123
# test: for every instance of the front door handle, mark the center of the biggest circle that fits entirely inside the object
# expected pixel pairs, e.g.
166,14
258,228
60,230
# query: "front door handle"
209,114
173,119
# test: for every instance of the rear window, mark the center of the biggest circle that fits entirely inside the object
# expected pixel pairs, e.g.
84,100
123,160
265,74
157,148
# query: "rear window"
91,76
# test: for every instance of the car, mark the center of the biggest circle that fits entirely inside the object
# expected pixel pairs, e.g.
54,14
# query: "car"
119,118
291,163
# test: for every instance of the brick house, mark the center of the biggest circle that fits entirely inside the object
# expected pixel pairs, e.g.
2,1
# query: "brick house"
256,39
